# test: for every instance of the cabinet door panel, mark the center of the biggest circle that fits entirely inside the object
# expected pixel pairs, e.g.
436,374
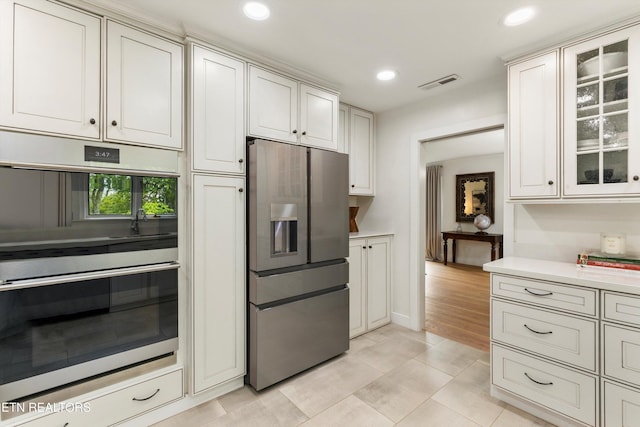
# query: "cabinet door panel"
621,353
361,153
218,299
601,121
533,128
357,289
318,118
621,406
378,282
50,68
144,88
217,112
273,106
343,129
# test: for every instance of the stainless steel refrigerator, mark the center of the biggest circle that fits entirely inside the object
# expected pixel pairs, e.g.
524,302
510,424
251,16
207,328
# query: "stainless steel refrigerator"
298,222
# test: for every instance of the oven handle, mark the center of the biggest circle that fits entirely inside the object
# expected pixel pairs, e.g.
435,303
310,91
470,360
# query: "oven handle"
78,277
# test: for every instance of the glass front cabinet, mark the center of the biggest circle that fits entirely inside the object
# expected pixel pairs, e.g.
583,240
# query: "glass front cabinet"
602,116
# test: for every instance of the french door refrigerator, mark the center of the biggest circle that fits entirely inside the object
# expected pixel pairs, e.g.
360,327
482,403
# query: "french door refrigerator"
298,222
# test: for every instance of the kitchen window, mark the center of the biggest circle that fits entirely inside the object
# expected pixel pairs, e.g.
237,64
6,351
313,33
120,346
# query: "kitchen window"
109,196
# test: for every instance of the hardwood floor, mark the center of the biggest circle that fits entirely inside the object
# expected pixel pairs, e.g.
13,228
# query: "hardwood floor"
457,303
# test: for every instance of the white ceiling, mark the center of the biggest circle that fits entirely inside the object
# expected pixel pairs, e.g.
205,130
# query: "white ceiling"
345,42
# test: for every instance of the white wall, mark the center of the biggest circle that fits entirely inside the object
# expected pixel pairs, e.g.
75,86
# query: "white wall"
468,252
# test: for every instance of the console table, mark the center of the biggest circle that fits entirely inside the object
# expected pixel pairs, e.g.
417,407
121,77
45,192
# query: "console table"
494,239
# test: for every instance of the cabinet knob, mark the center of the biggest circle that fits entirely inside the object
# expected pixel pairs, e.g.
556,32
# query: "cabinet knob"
295,131
240,160
635,177
241,189
114,123
353,186
550,182
370,246
304,132
364,247
92,121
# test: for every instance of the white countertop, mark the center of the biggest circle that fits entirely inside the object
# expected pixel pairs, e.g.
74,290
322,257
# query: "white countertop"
593,277
365,234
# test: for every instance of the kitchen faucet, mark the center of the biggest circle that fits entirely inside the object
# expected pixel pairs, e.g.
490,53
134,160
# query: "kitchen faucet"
135,222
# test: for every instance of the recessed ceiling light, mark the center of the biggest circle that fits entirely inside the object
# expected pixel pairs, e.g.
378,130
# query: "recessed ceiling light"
386,75
256,11
519,17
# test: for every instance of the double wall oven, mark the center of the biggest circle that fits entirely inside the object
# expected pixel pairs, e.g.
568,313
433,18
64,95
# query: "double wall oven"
88,260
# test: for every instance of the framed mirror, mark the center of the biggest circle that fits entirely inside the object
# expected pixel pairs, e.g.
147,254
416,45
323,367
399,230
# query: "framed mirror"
474,196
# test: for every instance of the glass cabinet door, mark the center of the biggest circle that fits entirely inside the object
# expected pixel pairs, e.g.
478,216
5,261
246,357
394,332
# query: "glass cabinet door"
599,94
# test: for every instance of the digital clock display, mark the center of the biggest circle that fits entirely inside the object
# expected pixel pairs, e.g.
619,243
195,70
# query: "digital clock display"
101,154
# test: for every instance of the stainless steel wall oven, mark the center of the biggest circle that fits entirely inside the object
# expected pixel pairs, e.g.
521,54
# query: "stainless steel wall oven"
88,260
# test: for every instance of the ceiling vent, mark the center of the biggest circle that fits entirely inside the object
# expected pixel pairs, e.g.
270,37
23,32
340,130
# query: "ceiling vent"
440,82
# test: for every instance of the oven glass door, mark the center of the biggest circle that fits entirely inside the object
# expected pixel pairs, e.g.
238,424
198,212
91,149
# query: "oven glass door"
50,327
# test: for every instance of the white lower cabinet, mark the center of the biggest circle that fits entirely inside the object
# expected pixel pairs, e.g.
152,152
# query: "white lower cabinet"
544,353
218,280
369,283
116,406
565,342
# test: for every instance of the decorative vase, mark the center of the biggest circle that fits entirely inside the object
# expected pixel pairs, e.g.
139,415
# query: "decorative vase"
353,211
482,222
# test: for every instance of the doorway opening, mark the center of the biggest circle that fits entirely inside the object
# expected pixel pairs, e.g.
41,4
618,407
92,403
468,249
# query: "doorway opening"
456,297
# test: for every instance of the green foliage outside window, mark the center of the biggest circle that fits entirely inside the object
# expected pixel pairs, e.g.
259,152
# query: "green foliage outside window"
113,195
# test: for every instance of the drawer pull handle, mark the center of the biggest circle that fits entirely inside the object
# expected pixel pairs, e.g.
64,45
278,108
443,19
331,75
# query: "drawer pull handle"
537,382
537,332
539,295
146,398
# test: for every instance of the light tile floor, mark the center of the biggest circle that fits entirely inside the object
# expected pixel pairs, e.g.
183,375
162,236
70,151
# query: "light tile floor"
390,376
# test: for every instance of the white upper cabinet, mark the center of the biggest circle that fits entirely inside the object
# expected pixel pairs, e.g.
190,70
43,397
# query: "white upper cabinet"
273,105
217,112
318,118
533,128
580,142
286,110
601,118
361,153
50,68
144,88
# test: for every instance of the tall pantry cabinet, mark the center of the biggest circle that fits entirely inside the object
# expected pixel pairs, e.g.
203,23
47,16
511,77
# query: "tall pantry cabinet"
217,228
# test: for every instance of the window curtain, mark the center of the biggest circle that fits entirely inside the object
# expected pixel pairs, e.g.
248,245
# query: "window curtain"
432,251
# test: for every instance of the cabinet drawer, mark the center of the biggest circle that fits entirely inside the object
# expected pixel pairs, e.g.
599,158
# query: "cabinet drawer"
565,338
620,405
546,294
572,394
621,353
118,405
621,308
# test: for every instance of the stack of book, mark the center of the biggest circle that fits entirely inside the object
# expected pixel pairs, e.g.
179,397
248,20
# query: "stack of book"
625,262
